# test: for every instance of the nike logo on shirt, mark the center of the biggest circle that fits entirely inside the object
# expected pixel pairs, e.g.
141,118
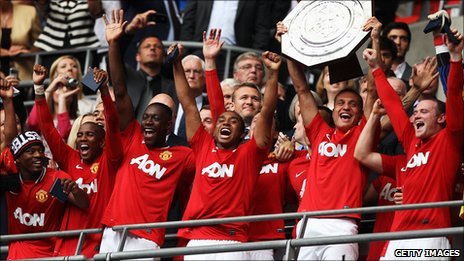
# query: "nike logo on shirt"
299,174
78,166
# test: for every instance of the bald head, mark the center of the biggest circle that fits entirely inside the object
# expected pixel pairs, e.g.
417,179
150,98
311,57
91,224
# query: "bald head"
165,99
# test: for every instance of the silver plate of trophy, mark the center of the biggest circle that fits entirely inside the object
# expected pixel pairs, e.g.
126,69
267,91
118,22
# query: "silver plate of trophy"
320,31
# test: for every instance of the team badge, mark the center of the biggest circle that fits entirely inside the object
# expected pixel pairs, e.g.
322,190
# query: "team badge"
94,168
41,196
166,155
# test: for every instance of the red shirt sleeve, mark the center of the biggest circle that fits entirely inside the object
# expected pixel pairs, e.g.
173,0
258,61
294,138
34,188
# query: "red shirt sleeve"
215,96
454,101
113,139
64,124
58,147
392,103
32,120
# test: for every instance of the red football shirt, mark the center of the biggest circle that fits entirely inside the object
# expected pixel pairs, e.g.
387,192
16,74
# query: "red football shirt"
97,178
431,165
336,178
385,186
269,198
34,210
297,172
224,182
145,183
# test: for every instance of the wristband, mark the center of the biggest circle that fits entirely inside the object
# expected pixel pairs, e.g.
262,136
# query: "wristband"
39,89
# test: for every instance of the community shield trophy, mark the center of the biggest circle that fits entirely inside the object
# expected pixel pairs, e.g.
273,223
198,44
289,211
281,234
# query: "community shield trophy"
325,31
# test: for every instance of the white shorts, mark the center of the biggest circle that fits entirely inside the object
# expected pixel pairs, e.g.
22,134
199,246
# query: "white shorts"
215,256
262,255
111,240
321,227
396,249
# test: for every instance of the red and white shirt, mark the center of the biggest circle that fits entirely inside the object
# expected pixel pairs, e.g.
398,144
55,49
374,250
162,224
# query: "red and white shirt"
269,198
223,185
297,172
430,170
97,178
337,179
145,183
34,210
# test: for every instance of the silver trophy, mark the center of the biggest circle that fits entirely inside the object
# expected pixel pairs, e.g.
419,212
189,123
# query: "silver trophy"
323,31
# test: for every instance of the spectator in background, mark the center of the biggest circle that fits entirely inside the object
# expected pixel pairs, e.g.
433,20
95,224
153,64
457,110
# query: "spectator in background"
20,27
228,88
68,25
248,67
65,100
194,69
206,118
400,34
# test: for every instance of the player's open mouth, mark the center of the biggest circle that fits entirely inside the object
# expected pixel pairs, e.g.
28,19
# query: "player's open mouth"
345,116
84,149
37,163
149,132
419,124
225,132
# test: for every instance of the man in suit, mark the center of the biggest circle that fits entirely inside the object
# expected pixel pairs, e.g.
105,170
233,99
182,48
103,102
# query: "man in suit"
243,23
400,34
194,69
148,80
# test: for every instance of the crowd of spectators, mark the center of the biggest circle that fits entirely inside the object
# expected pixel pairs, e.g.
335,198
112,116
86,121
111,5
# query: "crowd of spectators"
166,139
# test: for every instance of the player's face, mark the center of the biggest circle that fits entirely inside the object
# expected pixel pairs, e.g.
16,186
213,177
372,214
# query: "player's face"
150,51
155,126
346,112
400,38
90,142
229,130
247,102
250,70
32,159
426,119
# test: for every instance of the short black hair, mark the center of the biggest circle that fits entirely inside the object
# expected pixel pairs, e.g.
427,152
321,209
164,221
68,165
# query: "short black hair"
145,37
441,106
386,44
100,131
397,25
163,107
358,97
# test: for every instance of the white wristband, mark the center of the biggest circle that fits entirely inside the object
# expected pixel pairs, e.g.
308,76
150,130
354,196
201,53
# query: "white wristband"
39,89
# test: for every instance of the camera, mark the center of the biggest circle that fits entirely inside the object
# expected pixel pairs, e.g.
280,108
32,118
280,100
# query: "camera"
72,83
13,72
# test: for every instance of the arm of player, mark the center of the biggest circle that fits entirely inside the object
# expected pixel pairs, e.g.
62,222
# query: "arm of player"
185,95
388,96
114,32
211,48
263,129
75,195
113,140
58,147
365,146
454,99
10,131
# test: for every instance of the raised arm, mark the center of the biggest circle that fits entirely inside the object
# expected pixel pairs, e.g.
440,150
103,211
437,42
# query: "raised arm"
454,100
365,151
263,129
114,32
10,131
185,95
57,145
211,48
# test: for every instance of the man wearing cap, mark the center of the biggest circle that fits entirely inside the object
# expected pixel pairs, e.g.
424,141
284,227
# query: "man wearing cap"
33,209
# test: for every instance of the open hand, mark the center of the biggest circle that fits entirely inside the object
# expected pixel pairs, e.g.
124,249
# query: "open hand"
212,44
422,79
115,27
139,21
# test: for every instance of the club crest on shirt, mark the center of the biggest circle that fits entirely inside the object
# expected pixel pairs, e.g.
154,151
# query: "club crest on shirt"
94,168
165,155
41,196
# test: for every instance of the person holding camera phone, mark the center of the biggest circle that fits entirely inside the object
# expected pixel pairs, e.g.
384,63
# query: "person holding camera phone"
33,208
64,96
